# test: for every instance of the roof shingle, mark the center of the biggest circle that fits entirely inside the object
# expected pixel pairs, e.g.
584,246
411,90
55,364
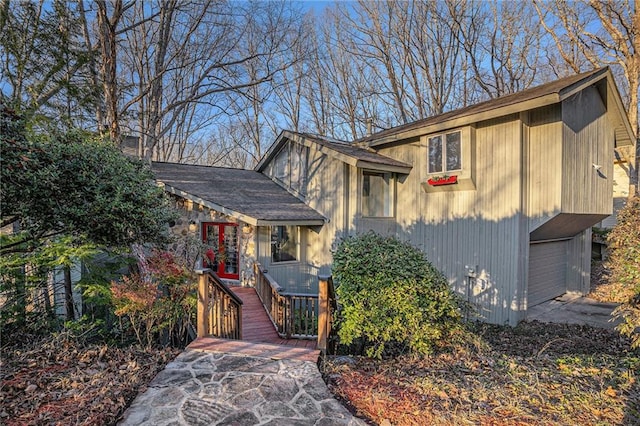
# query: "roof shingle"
246,194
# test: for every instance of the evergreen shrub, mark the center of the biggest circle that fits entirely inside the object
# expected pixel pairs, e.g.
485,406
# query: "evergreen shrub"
391,296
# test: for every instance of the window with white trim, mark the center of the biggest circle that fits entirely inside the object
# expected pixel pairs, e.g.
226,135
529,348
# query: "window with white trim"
445,152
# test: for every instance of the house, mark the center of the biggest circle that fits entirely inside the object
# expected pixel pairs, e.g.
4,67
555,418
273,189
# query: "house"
501,196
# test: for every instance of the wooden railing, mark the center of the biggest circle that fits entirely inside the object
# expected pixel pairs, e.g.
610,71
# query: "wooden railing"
219,309
327,341
298,315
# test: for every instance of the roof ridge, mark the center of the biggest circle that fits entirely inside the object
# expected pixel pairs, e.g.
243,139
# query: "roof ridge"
562,82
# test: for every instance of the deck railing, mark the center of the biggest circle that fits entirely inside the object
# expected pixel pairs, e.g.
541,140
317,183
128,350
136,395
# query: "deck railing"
298,315
219,309
327,341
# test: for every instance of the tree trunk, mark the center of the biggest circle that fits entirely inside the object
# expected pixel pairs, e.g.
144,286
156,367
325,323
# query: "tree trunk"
107,39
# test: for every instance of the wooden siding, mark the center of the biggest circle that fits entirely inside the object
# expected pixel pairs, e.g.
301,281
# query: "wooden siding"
579,263
477,229
525,174
328,182
544,165
588,139
295,276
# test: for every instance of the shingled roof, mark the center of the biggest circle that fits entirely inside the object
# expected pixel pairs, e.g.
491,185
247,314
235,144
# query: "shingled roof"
356,156
542,95
246,195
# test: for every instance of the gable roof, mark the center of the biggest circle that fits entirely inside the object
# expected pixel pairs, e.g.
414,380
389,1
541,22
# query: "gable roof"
246,195
356,156
546,94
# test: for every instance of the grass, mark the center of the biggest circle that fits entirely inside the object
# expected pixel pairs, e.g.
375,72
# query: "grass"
533,374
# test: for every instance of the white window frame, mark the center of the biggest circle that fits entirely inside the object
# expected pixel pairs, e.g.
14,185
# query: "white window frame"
443,139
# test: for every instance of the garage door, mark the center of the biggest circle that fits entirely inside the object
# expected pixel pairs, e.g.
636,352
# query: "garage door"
547,271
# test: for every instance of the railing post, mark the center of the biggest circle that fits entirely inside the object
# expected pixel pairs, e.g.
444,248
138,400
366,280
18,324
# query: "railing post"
324,318
288,320
203,303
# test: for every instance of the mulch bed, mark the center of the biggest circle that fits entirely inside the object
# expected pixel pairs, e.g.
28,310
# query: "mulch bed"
533,374
60,381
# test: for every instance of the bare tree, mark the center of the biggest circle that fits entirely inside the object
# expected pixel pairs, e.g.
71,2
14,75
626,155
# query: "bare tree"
109,16
186,60
616,42
395,62
595,33
503,52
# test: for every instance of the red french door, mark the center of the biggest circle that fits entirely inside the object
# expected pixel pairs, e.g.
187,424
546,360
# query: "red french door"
221,252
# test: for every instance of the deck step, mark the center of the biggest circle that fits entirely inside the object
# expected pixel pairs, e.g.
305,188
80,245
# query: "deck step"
258,350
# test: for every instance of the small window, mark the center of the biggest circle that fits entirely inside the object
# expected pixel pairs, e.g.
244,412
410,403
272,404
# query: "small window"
376,194
445,157
290,167
284,243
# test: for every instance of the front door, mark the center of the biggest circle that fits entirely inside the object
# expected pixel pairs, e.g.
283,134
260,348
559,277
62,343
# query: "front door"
221,252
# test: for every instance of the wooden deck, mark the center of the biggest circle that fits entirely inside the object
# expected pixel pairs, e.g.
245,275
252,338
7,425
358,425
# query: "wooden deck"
259,336
256,325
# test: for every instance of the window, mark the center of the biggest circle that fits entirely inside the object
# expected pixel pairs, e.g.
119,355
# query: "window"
445,153
284,243
299,154
377,194
290,166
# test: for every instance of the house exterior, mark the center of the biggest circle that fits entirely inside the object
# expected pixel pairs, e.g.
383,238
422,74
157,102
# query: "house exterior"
501,196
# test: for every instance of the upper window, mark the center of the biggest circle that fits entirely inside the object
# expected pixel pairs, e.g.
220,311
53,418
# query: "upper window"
290,166
445,153
284,243
377,194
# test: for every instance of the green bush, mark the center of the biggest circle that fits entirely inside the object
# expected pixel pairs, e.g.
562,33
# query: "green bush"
624,262
391,295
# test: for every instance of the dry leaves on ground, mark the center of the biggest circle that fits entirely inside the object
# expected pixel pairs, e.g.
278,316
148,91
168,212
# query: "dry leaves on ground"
58,381
533,374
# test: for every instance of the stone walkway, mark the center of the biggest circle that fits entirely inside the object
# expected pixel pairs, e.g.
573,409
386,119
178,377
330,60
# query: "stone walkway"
206,387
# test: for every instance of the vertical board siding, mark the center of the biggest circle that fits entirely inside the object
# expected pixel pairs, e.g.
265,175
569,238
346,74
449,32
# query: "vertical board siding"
620,192
526,169
325,183
460,229
584,189
293,277
544,168
327,180
579,263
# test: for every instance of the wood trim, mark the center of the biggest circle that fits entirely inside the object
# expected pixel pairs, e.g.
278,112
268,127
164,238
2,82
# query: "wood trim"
472,118
382,167
213,206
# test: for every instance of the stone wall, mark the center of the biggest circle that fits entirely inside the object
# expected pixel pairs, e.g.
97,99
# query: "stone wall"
188,232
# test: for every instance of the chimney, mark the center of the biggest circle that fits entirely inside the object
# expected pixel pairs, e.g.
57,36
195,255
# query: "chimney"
369,127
